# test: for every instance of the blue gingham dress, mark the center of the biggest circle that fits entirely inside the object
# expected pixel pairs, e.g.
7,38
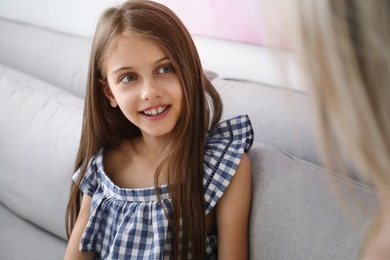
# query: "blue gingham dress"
131,223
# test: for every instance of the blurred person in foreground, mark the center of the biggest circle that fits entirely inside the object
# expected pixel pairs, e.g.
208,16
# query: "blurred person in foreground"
343,47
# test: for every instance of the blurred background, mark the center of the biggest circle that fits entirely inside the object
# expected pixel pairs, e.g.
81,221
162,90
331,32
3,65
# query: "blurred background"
229,34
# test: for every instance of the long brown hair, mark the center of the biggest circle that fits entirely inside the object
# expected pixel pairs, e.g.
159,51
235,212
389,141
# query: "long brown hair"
183,154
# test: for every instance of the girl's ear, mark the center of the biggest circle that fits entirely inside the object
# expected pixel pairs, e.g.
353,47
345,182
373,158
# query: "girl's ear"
107,92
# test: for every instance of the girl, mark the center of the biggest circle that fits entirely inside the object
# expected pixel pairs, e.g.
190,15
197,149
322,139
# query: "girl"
344,48
156,176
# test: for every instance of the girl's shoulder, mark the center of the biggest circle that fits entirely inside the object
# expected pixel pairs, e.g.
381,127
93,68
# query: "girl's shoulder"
225,146
87,178
229,139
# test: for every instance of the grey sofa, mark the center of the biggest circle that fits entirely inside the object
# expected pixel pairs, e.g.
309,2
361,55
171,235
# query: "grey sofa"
295,212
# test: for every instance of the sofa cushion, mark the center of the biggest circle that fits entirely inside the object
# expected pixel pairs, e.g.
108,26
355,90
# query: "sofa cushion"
295,213
280,116
39,137
57,58
20,239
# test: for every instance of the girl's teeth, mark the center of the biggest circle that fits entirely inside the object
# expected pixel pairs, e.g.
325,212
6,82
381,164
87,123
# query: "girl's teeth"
154,112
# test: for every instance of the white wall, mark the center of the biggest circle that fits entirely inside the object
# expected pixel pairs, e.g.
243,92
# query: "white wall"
227,58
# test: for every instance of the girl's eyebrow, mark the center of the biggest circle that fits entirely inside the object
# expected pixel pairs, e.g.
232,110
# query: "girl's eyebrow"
129,67
162,59
119,69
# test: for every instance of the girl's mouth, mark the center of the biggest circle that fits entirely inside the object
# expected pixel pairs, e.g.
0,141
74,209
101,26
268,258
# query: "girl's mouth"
155,111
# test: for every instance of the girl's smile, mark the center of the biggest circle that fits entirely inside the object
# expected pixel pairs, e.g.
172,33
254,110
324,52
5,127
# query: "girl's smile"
143,83
156,112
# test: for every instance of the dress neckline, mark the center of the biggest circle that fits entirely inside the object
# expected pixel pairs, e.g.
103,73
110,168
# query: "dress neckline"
131,194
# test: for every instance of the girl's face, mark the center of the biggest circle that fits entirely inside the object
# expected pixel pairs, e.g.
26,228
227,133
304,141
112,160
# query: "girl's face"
143,83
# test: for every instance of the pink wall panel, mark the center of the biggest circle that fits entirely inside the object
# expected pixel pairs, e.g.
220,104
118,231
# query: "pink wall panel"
237,20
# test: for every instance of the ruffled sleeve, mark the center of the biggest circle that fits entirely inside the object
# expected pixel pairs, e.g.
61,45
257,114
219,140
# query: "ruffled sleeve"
89,182
225,146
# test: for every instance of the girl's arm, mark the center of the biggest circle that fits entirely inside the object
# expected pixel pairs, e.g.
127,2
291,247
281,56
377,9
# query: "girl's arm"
232,213
72,251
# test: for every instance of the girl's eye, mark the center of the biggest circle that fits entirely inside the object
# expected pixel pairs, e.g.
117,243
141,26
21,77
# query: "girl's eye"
128,78
166,69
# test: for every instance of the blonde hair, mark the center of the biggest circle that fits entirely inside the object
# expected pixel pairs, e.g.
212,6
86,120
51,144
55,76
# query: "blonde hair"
344,49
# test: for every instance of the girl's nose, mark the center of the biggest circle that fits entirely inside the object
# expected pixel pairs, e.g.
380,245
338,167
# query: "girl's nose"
150,90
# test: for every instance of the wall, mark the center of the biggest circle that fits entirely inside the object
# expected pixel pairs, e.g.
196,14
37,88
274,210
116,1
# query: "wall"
227,58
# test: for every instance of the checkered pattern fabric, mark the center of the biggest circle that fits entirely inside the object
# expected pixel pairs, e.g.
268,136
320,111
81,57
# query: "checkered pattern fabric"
131,223
224,148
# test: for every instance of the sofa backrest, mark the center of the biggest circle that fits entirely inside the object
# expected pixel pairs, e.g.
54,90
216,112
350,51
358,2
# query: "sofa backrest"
39,137
300,211
280,116
56,58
